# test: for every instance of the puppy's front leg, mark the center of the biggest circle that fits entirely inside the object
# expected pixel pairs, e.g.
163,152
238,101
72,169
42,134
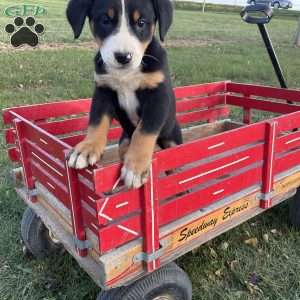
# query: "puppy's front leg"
89,151
138,158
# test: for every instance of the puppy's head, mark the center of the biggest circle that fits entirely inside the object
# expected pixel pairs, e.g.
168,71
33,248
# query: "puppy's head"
122,28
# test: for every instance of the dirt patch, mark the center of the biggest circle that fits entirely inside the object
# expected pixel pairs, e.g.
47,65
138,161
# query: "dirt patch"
173,43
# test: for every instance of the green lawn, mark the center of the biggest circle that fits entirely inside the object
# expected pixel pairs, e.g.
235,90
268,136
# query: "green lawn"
222,48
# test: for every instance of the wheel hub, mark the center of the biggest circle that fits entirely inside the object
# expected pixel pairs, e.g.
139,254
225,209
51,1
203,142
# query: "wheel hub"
52,237
164,297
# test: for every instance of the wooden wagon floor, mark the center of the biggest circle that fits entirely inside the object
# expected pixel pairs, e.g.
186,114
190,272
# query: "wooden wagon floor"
189,134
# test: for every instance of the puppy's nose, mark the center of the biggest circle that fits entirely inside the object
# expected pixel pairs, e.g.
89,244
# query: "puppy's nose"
123,58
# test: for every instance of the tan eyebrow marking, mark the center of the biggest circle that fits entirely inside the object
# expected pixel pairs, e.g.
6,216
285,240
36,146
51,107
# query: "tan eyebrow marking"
111,13
136,15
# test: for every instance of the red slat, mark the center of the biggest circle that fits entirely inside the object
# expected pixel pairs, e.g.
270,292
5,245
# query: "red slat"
65,126
119,205
200,89
44,140
10,135
114,133
115,235
287,161
196,103
13,154
288,142
204,115
88,195
176,209
270,106
51,165
206,147
106,177
188,203
185,180
54,186
288,122
264,91
48,110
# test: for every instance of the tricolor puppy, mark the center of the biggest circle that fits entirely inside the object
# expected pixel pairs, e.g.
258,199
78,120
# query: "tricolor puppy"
132,82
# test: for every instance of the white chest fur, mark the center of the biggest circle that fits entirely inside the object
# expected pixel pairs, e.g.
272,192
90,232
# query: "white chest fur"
125,84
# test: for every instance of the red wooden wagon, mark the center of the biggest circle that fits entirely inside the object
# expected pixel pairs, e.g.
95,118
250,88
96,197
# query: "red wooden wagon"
225,173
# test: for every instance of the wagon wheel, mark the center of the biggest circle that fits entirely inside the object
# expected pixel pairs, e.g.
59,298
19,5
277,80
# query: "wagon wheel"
167,283
294,210
37,239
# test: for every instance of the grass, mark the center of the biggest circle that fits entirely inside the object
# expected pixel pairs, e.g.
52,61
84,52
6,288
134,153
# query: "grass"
228,49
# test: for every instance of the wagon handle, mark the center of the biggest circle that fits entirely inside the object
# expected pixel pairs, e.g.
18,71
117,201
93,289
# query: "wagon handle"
249,14
266,10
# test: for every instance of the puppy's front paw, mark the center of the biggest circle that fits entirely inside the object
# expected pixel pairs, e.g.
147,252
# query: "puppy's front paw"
135,172
85,153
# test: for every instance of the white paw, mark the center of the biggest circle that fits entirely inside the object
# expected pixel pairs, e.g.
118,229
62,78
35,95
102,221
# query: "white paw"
80,160
133,180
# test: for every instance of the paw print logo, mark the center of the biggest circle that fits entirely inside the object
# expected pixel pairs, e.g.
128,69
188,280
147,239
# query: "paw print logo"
24,32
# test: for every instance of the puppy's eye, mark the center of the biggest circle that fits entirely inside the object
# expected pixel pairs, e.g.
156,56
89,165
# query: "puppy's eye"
141,22
105,20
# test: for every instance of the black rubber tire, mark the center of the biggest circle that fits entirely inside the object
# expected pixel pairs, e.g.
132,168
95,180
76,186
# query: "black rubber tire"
169,281
276,5
35,236
294,210
113,294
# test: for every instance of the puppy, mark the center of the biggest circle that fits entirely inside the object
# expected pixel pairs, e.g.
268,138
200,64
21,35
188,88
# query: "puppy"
132,82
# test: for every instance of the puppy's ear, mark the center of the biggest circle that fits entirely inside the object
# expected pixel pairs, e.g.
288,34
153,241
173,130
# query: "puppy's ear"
77,12
164,14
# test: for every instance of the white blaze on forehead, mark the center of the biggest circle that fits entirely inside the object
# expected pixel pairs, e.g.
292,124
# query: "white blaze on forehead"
122,40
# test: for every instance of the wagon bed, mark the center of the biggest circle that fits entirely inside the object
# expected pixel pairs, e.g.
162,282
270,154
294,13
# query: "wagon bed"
225,173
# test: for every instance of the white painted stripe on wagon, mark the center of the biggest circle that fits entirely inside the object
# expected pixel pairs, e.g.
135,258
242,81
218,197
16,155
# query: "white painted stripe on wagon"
127,230
215,146
122,204
214,170
218,192
106,217
53,169
43,141
92,199
53,187
292,141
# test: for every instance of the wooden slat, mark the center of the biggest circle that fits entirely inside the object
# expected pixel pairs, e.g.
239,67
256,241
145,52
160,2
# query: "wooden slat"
48,110
200,89
190,202
13,154
204,115
185,180
264,91
113,134
197,103
209,146
287,142
270,106
119,205
287,161
288,122
114,235
54,186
